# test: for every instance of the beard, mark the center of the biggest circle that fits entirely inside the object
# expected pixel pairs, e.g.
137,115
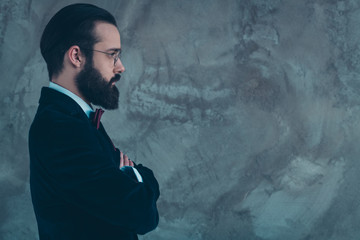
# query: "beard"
96,89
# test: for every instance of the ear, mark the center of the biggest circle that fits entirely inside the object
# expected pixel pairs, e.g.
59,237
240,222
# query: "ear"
76,58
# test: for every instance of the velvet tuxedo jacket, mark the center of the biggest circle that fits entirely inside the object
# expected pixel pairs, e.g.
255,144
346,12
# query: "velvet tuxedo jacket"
77,189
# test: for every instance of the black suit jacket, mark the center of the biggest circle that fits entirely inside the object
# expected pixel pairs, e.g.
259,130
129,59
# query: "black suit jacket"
77,189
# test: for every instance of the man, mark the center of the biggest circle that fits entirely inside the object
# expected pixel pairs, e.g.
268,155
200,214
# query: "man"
82,186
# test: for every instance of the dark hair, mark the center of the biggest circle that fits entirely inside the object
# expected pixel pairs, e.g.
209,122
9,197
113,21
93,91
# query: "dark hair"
72,25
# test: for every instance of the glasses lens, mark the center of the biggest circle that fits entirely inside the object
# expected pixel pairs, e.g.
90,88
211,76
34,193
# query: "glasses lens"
116,57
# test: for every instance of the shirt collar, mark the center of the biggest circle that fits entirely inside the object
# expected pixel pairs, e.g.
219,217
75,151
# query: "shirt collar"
84,106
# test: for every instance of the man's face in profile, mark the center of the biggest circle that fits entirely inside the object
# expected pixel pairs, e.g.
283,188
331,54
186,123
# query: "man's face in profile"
96,81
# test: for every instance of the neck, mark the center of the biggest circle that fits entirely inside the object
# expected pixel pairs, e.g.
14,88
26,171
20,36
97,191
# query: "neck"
69,84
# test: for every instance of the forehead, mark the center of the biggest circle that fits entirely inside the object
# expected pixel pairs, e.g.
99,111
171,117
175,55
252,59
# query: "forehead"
108,35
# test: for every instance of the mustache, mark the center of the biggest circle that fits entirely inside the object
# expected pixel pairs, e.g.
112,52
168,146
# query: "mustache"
115,78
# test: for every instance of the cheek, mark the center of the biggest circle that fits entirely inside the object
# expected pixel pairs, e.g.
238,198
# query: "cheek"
105,70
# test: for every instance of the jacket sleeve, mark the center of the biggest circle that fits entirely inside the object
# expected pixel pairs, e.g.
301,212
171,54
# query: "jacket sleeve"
81,172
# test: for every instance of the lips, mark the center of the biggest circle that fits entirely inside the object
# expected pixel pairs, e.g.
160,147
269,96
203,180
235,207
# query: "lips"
115,79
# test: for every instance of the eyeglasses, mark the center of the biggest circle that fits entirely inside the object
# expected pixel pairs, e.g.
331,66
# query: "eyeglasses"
115,55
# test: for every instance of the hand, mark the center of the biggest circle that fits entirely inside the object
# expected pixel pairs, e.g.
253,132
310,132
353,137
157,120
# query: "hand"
125,161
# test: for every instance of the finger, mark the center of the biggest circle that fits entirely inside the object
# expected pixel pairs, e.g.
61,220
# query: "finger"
126,161
121,159
131,163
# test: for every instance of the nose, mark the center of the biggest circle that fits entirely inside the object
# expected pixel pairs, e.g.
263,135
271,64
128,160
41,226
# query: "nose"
119,67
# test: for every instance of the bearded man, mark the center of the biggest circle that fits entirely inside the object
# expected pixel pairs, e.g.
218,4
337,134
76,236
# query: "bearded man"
82,186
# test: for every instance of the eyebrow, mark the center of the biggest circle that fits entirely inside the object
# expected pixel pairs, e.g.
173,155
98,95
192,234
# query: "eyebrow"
114,49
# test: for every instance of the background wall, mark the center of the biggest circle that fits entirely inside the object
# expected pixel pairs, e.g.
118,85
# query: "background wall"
247,111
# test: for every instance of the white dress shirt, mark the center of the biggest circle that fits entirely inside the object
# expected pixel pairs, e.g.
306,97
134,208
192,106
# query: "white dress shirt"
87,109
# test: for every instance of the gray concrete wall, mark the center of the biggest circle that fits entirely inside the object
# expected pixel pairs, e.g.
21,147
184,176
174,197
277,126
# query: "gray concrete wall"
247,111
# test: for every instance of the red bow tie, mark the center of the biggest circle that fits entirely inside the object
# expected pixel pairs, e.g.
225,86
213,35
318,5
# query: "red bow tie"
96,116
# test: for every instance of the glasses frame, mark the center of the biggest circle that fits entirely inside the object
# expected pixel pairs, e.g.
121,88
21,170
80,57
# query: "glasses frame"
115,55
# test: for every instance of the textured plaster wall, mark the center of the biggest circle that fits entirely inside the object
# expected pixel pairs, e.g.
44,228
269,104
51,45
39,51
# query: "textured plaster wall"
247,111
